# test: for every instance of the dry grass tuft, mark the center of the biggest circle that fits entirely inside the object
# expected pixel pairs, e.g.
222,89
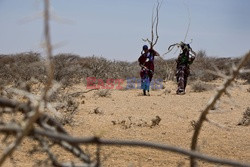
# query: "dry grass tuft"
199,86
103,93
245,121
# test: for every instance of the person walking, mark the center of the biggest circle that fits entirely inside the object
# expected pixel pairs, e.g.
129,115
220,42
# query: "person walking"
184,60
146,62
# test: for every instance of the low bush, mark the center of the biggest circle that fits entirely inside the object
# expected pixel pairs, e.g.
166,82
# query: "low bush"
72,69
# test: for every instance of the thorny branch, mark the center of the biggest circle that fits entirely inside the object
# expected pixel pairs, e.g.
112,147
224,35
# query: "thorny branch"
47,123
48,45
221,90
60,136
34,114
99,141
25,130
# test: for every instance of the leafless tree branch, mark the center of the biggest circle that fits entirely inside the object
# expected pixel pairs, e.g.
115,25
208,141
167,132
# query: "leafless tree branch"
34,115
25,130
154,26
221,90
95,140
189,22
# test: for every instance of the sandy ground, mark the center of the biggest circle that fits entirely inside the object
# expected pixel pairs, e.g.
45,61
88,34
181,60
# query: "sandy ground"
126,114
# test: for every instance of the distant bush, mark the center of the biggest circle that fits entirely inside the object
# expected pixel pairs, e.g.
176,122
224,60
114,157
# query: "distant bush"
203,64
21,67
245,76
199,86
68,69
72,69
165,69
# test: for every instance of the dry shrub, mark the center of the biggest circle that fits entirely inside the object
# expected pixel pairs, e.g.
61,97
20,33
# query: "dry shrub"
21,67
67,109
103,93
73,69
245,121
199,86
68,70
130,122
199,68
203,64
165,69
246,76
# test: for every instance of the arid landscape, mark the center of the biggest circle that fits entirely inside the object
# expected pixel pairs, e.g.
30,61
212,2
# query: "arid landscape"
63,109
125,114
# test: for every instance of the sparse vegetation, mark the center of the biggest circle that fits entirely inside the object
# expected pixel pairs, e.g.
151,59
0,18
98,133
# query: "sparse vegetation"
73,69
130,122
96,111
103,93
199,86
28,113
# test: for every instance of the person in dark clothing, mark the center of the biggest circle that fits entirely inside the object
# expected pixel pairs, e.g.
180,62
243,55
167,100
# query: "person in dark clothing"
146,62
182,69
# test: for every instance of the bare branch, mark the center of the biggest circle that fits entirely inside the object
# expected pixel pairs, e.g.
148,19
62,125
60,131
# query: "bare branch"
216,124
154,25
82,92
189,22
170,48
95,140
54,160
25,130
217,73
243,71
13,104
34,115
213,101
50,66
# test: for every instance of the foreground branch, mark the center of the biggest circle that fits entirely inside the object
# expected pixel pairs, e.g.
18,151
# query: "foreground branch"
212,102
24,131
95,140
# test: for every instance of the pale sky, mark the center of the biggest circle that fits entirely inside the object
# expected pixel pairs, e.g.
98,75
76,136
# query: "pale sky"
114,28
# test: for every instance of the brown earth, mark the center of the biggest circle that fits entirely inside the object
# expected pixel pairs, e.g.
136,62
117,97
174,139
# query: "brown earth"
126,114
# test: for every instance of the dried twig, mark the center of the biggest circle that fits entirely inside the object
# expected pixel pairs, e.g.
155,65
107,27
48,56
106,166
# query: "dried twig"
154,26
34,115
50,66
222,89
82,92
25,130
189,22
95,140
